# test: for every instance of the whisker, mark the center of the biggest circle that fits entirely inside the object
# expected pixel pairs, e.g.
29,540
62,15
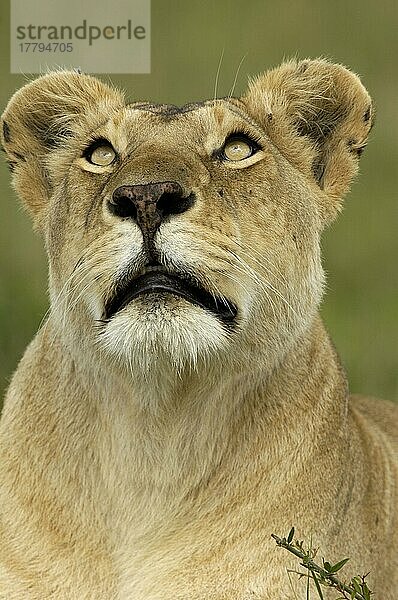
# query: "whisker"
265,285
277,274
217,75
231,91
263,256
244,270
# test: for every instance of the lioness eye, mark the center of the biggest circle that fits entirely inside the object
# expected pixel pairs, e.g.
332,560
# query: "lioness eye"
101,154
238,148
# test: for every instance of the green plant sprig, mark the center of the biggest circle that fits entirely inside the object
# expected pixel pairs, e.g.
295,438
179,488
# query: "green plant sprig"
357,589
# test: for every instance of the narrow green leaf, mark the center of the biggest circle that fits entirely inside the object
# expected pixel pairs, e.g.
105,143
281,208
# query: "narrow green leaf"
290,536
307,596
339,565
356,586
327,566
318,587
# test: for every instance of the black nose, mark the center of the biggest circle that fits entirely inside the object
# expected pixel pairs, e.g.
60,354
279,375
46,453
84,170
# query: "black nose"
149,205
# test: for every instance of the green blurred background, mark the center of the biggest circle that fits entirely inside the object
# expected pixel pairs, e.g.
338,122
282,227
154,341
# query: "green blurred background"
360,250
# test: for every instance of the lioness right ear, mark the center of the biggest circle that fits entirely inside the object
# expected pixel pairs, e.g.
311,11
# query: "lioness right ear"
38,119
318,115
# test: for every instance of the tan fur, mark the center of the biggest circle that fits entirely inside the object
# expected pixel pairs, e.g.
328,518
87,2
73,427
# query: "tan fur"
151,456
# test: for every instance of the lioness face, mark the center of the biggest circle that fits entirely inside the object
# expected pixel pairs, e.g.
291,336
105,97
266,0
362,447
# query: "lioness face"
179,234
185,231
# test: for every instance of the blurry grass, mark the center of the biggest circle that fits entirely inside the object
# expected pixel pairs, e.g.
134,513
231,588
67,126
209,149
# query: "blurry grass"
23,286
360,249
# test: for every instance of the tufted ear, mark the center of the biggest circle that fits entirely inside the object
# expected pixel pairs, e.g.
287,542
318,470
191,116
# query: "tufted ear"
38,119
318,115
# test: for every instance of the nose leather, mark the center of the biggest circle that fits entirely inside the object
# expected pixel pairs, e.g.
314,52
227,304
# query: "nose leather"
149,205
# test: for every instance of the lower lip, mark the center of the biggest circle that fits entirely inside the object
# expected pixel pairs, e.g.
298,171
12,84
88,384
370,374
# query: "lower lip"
162,289
160,283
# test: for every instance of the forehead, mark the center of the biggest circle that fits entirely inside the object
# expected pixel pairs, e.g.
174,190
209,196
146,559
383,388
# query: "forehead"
162,122
220,109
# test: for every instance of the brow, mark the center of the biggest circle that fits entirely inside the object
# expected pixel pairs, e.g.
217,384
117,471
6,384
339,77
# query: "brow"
171,111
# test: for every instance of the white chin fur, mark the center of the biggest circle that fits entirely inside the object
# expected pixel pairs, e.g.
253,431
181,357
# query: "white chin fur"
159,335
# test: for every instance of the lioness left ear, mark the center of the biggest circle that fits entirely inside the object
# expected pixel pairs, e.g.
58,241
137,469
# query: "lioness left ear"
39,118
318,115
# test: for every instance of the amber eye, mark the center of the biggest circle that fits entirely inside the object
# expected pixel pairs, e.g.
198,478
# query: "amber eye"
238,148
101,153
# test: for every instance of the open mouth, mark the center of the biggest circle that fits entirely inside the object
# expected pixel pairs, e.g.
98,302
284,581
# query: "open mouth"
161,281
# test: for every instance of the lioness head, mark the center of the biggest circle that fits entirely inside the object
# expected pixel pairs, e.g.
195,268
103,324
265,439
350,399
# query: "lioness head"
182,237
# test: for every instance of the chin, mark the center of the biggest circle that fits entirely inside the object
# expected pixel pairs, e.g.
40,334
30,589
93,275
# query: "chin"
163,334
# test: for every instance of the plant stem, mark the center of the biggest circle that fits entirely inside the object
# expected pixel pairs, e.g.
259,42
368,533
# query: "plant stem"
313,567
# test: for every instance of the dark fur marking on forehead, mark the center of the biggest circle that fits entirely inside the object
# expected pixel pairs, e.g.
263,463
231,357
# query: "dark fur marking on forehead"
170,111
167,110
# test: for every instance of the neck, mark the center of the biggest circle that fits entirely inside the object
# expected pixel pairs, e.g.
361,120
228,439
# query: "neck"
161,456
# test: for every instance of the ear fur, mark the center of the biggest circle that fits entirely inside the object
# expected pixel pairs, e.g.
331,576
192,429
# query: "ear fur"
39,117
318,115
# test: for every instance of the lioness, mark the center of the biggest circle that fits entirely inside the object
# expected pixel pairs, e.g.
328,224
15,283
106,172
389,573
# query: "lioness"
183,400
